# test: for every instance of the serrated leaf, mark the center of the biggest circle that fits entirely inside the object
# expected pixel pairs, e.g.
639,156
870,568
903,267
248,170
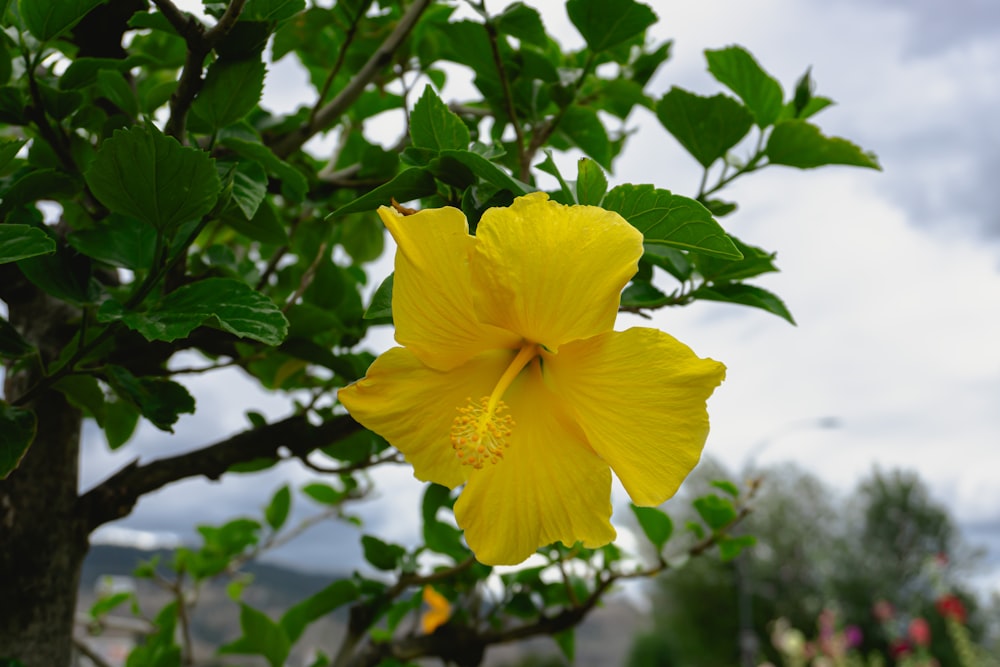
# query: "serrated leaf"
657,526
706,127
746,295
261,636
407,185
797,143
591,183
231,90
46,19
230,304
670,219
19,242
276,512
146,175
293,183
298,617
737,69
433,125
119,241
604,24
160,401
524,23
381,555
264,226
717,512
755,262
17,430
249,187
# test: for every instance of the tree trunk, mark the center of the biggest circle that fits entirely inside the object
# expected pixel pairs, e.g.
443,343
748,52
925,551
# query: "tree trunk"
42,540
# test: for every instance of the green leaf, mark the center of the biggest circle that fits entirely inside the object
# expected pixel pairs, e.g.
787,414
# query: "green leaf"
670,219
316,606
47,18
717,512
731,547
797,143
727,487
755,262
549,166
17,430
230,304
19,242
146,175
271,10
591,183
8,150
264,226
643,294
407,185
35,185
489,171
231,90
433,125
737,69
746,295
585,129
108,604
118,240
261,636
706,127
381,555
120,420
381,305
276,513
363,237
12,345
657,526
523,23
160,401
566,641
249,187
84,392
293,183
323,493
112,85
604,24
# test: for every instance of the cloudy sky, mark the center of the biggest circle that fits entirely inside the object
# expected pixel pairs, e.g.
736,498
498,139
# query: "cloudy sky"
893,277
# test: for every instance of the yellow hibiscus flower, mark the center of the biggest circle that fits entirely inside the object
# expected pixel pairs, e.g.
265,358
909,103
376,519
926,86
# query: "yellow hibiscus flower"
511,380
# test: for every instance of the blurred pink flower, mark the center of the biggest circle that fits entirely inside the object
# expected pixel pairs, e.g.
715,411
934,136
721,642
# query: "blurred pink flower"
883,611
853,635
920,632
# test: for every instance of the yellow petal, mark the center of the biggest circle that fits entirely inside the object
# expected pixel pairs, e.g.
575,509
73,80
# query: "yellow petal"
413,407
552,273
639,396
432,289
548,487
438,613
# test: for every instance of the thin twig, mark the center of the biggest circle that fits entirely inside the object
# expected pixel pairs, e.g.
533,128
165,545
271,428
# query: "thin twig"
352,31
329,114
522,158
307,278
90,653
394,457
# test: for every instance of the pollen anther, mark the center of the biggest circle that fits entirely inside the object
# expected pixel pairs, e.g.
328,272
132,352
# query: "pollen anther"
479,434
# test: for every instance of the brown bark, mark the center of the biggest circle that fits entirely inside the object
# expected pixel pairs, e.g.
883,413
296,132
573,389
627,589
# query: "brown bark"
42,542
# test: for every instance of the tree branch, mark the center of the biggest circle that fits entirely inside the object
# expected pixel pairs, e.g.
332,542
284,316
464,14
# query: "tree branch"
200,43
114,497
327,115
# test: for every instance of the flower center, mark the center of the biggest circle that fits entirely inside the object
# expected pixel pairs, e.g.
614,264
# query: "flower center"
479,433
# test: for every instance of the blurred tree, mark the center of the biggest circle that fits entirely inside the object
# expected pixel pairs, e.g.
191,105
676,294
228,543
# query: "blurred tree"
812,552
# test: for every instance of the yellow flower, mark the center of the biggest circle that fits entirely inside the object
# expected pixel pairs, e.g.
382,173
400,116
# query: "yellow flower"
438,612
512,382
